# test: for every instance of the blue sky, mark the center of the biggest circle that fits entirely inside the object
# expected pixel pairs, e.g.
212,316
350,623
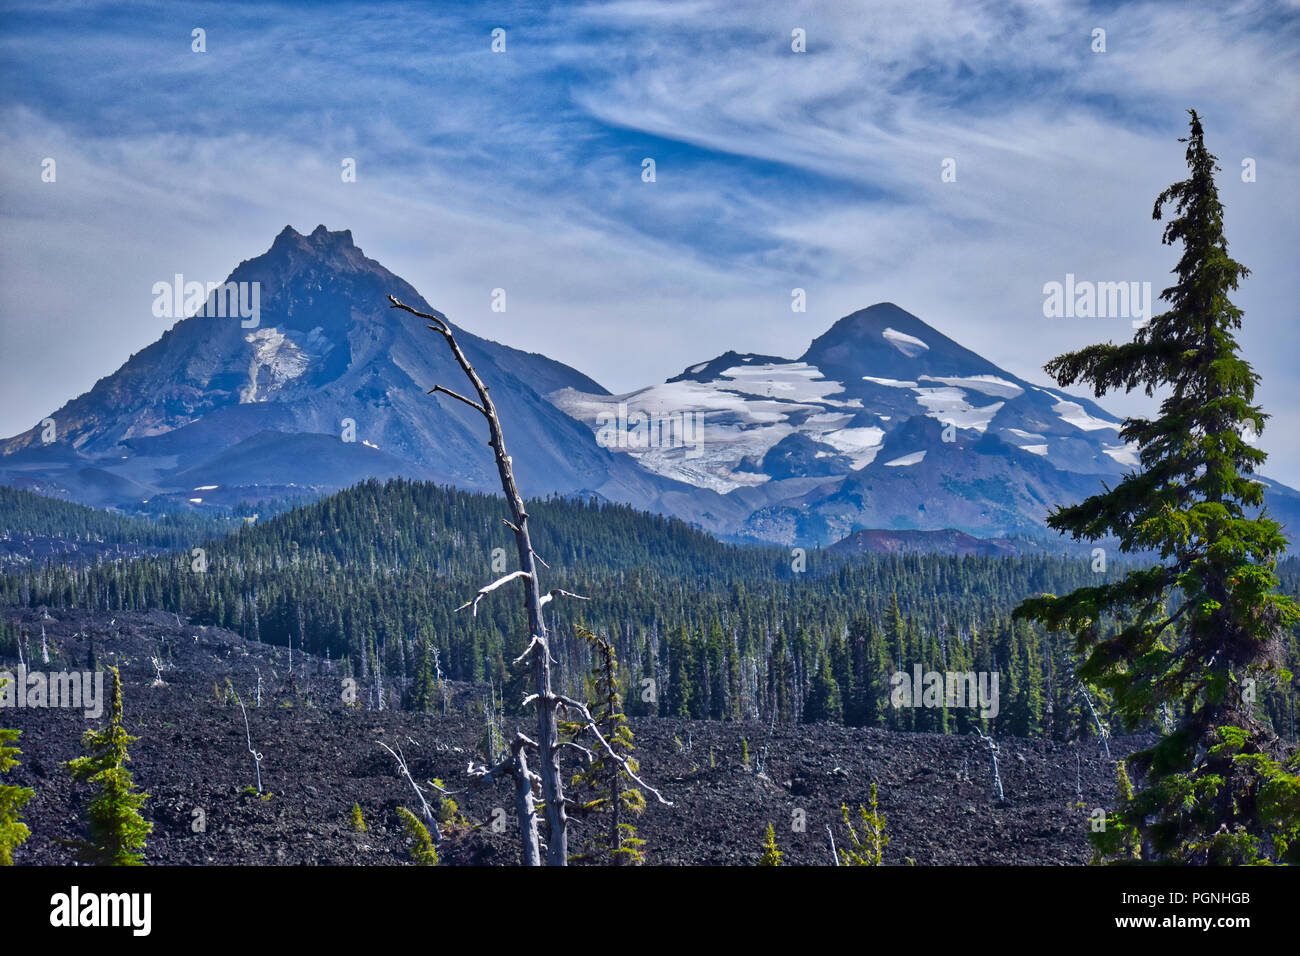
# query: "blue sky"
522,170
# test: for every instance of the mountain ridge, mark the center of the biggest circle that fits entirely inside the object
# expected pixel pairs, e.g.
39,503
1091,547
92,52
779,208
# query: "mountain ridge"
327,350
882,422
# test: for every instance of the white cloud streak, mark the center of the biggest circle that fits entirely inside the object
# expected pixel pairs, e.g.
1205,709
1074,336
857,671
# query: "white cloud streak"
775,170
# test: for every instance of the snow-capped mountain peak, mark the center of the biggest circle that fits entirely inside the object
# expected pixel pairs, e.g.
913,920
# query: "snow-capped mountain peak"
836,405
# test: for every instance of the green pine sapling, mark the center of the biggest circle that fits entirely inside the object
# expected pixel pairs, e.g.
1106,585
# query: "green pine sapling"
117,830
13,832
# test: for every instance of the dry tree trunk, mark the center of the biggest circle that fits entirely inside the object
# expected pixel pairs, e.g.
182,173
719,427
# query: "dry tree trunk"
1102,733
547,702
431,823
993,755
515,766
557,846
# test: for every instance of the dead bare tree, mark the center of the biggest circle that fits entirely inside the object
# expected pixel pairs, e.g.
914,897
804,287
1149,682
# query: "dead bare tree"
248,733
1102,732
442,684
495,739
515,766
431,824
547,703
761,767
993,755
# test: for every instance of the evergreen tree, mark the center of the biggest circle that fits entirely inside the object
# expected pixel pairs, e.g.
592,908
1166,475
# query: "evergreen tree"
901,659
605,777
13,832
714,678
638,702
841,664
869,848
651,576
857,701
871,660
422,849
1022,689
681,690
1197,630
117,830
780,680
772,854
824,702
1119,838
424,688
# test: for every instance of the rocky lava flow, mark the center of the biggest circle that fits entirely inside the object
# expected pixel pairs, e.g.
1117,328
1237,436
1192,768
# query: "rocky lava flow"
321,757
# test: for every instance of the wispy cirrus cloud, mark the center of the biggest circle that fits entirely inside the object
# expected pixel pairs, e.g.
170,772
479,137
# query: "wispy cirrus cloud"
523,170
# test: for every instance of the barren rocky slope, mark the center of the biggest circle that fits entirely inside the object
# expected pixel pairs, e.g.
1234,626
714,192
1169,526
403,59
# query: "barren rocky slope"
320,758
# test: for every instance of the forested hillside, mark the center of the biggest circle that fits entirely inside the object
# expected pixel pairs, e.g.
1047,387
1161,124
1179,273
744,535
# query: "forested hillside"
372,578
35,528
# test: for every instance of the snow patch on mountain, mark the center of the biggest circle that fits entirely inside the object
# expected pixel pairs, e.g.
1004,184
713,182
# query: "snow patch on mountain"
745,412
735,427
909,345
1073,413
764,421
276,360
1037,444
796,382
1022,434
1124,454
890,382
915,458
988,384
949,406
859,444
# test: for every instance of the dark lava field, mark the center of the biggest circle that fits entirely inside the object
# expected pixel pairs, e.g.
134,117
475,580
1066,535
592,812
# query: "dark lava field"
320,757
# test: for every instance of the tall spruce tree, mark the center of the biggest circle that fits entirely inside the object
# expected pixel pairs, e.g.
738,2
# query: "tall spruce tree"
681,689
424,688
1198,630
824,701
117,830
